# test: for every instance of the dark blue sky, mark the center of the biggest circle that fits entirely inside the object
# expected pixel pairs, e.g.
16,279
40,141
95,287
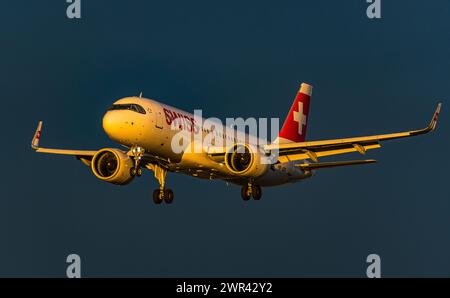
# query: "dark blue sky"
231,59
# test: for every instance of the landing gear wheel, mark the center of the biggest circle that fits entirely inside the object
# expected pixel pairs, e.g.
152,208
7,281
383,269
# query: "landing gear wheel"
135,172
256,192
157,198
168,196
244,193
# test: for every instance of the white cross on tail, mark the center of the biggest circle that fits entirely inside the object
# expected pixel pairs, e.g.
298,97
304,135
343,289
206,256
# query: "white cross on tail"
300,118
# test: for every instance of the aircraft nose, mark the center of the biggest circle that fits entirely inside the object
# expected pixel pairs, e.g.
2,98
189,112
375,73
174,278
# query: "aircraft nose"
123,126
111,124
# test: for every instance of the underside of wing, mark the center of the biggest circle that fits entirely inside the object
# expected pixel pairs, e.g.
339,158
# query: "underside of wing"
322,165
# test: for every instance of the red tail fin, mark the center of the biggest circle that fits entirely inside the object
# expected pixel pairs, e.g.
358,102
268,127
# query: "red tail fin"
296,123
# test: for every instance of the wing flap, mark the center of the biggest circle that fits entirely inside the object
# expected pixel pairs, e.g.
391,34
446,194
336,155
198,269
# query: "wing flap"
325,152
322,165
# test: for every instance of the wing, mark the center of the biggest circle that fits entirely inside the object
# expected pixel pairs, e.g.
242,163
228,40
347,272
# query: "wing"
84,155
315,149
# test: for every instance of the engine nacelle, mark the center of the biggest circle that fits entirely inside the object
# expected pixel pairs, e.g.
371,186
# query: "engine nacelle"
246,161
112,165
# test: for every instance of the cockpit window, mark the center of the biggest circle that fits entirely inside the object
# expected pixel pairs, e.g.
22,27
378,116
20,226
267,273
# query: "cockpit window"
130,106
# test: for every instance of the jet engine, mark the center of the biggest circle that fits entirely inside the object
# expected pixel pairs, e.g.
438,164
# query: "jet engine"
113,166
245,161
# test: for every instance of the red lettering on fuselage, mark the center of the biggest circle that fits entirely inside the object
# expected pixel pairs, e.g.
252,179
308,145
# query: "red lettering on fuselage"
168,115
181,121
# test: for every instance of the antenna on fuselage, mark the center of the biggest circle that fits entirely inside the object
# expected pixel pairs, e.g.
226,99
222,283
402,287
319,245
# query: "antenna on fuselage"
140,95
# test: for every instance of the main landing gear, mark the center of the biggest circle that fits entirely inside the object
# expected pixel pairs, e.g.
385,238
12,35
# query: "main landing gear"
251,190
161,194
165,195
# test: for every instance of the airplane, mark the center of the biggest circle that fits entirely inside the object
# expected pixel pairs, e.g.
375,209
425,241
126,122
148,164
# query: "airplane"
145,127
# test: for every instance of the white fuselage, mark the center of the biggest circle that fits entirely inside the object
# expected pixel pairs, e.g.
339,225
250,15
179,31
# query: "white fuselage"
155,127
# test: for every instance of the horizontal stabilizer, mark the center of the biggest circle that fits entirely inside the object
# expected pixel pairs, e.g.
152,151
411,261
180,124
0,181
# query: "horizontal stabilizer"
320,165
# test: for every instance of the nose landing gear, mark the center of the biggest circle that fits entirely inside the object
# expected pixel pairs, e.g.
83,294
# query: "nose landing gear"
137,153
136,172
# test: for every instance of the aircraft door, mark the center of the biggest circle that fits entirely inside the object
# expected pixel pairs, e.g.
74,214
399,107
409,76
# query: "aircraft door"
159,119
157,114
